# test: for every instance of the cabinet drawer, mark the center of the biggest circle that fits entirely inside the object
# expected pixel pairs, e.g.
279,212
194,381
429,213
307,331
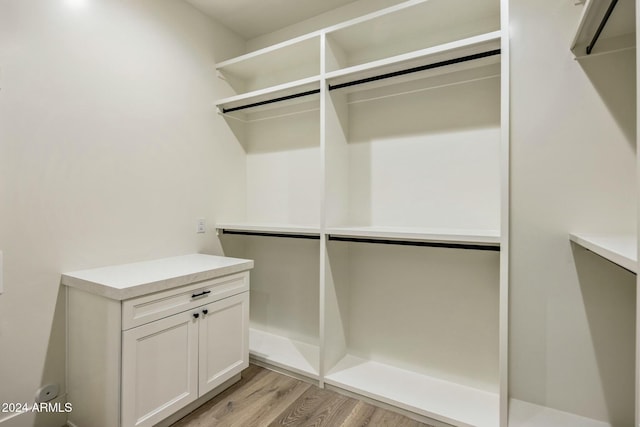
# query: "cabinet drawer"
138,311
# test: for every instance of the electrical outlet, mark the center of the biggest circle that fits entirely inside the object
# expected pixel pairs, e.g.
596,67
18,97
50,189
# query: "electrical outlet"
47,392
201,227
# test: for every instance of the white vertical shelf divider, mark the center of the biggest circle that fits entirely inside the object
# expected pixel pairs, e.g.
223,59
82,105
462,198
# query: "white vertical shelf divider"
323,204
505,192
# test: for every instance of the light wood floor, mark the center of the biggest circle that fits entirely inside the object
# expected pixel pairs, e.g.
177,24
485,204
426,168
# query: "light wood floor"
266,398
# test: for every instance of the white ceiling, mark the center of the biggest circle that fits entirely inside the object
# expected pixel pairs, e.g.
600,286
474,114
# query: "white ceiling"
251,18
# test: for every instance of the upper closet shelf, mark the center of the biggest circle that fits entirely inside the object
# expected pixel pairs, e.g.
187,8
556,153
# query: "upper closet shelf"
471,239
605,26
619,249
472,52
294,59
275,230
408,27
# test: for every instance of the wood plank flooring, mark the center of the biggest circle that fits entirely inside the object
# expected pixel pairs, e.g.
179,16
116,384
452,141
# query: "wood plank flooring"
266,398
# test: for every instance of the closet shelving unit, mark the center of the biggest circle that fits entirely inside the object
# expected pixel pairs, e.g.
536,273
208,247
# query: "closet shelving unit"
274,116
409,187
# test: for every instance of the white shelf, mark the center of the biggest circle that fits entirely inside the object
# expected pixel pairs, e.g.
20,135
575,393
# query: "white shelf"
295,356
270,93
272,57
441,400
291,60
473,237
270,228
618,34
619,249
423,24
431,55
525,414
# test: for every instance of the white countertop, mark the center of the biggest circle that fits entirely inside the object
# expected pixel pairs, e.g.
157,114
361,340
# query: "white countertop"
121,282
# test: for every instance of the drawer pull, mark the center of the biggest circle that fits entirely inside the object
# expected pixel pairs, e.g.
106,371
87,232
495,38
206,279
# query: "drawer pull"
201,294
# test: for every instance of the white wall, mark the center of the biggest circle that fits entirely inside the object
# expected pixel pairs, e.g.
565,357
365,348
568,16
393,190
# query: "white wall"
573,169
110,149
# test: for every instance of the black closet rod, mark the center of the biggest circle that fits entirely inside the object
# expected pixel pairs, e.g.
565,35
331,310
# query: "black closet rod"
417,69
271,101
477,247
367,80
268,234
605,18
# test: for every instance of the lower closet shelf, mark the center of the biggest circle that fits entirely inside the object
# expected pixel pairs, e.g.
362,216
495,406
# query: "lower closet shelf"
295,356
525,414
434,398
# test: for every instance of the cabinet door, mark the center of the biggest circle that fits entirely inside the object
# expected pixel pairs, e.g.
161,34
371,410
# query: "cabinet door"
159,369
224,341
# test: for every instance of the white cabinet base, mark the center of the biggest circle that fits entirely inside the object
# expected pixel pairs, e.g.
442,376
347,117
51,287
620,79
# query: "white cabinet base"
188,343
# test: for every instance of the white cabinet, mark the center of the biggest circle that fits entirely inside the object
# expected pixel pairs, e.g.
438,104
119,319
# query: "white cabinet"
181,337
171,362
159,369
223,342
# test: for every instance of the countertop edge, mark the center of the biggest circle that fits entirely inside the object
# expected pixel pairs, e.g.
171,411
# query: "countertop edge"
122,294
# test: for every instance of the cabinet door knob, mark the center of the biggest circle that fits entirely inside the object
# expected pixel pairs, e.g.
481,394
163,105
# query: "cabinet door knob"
196,315
205,311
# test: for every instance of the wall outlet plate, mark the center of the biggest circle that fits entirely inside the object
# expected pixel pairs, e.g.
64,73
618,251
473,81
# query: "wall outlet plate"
201,227
47,392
